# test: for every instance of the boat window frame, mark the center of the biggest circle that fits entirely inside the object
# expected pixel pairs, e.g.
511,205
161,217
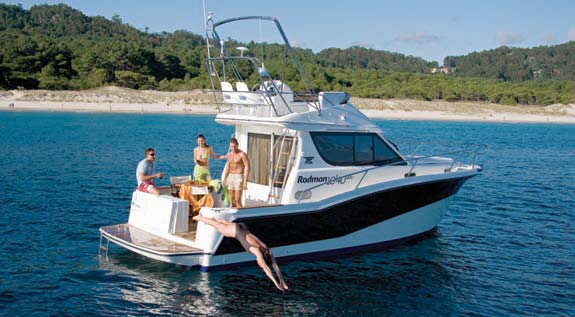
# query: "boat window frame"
374,137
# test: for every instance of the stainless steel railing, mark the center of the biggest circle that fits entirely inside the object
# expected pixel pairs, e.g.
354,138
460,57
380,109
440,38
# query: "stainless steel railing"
259,109
473,151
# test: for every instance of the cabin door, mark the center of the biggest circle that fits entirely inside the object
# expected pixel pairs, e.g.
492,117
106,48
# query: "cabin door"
268,161
259,149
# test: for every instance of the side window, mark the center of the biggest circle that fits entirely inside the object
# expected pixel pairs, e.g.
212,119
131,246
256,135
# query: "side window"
382,152
353,148
336,149
363,149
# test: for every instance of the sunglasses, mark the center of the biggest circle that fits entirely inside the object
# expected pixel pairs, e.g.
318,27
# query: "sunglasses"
152,154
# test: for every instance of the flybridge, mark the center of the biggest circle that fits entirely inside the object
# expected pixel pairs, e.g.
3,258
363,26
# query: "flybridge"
233,73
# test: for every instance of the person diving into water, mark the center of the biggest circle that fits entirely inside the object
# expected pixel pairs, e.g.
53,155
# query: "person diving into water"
252,244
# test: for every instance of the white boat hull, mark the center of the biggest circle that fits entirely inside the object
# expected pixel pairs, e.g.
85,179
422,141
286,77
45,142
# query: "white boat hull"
393,231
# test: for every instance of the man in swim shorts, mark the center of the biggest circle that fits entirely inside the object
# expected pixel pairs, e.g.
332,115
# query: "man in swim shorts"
235,174
146,173
252,244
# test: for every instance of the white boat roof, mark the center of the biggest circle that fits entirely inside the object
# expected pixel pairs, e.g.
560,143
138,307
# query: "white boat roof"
344,117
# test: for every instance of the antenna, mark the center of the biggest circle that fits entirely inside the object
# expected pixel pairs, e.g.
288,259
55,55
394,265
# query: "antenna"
210,17
242,50
261,42
206,25
204,9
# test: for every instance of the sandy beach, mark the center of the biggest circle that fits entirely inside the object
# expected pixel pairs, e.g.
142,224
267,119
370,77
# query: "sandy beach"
121,100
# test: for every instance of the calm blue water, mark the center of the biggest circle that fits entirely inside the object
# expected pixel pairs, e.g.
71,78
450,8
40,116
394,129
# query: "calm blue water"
505,248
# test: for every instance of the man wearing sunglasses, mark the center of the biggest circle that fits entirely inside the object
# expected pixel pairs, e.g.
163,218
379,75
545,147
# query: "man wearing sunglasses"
146,173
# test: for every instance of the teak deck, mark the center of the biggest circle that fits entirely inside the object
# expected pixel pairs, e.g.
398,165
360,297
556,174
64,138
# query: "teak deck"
143,239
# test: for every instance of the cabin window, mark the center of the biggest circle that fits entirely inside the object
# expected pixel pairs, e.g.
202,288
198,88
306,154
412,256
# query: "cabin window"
336,149
350,148
382,152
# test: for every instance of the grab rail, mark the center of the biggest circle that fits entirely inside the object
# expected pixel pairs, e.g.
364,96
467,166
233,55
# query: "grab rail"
455,160
478,149
265,94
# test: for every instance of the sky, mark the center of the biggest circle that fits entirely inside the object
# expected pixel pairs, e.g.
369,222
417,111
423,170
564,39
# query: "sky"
428,29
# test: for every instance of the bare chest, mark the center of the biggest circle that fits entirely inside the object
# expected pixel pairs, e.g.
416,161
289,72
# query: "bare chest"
235,158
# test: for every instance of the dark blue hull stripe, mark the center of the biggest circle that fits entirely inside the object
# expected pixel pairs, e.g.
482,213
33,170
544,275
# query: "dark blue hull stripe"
329,253
344,218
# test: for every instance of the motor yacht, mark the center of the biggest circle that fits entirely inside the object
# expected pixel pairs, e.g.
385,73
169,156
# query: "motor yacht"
324,178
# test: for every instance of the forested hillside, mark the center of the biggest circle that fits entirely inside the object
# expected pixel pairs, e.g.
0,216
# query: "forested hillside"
518,64
58,47
363,58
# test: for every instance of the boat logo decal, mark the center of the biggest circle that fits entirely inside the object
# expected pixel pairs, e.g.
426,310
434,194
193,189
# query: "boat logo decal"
328,180
308,159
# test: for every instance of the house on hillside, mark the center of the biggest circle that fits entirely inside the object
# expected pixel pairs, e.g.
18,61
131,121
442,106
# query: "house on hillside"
442,70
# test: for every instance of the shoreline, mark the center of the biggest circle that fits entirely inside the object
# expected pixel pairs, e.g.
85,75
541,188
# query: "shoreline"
119,100
442,116
149,108
413,115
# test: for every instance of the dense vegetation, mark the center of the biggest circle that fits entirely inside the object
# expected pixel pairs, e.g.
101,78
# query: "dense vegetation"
57,47
518,64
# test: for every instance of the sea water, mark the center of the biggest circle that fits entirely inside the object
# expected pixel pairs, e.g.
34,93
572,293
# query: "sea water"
506,247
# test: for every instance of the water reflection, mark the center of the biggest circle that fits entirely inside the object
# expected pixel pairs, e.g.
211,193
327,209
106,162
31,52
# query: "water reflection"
164,285
187,291
388,281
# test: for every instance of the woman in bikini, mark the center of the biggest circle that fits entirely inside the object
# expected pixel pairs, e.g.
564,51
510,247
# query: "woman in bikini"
202,155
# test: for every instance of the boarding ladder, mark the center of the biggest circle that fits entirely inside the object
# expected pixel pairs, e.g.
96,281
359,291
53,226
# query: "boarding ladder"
281,171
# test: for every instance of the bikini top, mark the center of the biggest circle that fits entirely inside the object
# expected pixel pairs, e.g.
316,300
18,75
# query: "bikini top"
203,154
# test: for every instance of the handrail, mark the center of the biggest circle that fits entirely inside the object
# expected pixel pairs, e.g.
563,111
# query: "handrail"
265,94
258,92
254,61
479,149
266,102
